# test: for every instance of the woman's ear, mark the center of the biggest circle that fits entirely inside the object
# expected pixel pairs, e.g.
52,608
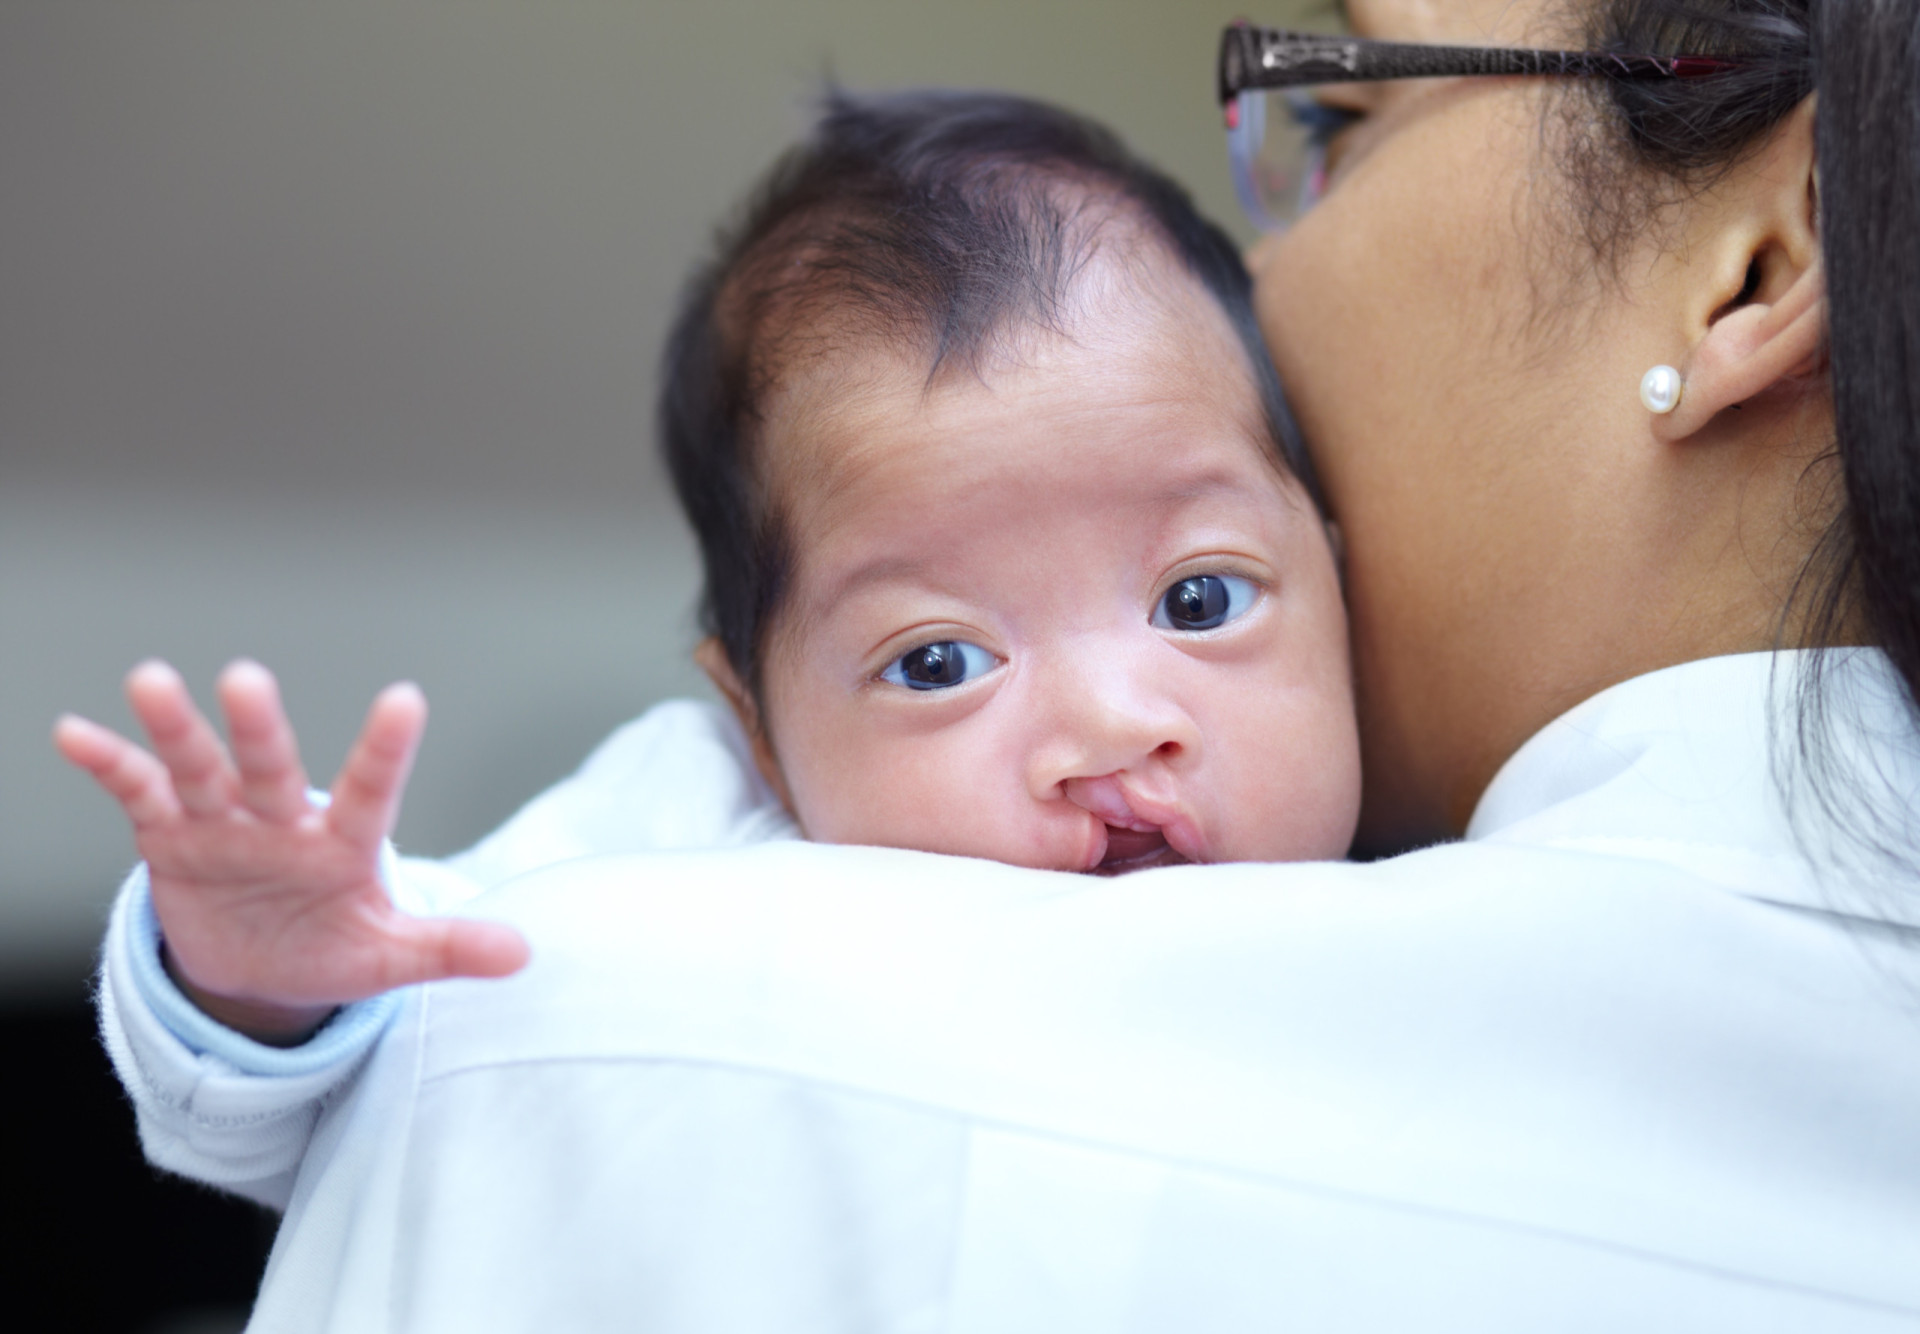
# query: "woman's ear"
1760,315
1751,350
712,659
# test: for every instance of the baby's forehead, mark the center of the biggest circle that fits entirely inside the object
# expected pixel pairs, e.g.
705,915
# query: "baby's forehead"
1134,333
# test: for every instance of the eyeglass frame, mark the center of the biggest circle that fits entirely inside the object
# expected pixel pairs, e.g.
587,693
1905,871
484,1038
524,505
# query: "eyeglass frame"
1257,59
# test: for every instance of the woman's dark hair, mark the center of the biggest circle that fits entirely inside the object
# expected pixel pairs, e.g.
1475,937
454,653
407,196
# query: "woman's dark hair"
1861,58
929,220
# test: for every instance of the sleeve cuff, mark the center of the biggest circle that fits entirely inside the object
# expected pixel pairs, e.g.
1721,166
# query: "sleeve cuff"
350,1031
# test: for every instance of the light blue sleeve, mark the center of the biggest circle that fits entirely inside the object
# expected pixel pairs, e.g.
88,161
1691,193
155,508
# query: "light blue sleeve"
342,1040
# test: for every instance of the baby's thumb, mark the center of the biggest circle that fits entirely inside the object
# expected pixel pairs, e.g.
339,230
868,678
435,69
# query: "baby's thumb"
444,947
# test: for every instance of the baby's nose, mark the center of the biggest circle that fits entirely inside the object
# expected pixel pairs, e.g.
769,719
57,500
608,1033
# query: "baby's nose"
1109,706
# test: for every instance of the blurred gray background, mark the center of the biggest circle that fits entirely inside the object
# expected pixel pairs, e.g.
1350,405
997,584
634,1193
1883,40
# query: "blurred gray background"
327,336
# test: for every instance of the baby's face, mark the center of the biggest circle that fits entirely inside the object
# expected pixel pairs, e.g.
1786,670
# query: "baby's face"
1064,614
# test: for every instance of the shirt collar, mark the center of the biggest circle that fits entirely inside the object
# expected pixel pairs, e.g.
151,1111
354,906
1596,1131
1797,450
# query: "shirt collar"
1701,765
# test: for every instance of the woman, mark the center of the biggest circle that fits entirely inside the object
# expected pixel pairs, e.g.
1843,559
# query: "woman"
1618,1057
1522,532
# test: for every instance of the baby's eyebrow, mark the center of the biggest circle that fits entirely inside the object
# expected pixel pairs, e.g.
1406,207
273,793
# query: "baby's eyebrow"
879,570
893,567
1212,484
1204,487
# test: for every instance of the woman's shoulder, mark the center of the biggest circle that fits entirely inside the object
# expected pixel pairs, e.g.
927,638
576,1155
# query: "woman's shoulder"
1704,768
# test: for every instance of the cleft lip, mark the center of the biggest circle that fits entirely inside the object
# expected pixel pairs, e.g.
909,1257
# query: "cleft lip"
1131,826
1133,849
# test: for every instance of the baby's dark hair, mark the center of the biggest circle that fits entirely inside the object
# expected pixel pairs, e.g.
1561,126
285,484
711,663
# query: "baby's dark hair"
936,218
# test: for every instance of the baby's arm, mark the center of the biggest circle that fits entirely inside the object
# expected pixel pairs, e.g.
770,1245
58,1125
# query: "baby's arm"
271,909
219,1108
266,910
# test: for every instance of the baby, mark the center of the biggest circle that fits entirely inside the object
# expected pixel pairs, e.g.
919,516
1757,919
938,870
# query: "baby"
1008,554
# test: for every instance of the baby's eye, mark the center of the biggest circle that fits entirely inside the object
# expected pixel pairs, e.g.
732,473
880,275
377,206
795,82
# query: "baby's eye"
1203,602
937,666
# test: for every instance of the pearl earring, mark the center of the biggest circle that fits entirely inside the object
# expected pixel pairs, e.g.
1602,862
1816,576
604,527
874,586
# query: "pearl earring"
1660,389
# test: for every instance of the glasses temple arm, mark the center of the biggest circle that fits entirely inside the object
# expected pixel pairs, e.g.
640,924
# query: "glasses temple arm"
1273,58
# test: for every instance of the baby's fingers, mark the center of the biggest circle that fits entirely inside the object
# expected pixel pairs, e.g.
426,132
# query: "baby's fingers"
185,742
129,775
366,795
272,782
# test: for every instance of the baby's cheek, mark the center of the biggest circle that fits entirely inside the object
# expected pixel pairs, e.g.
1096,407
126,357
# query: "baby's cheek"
1294,778
1280,762
930,794
1300,766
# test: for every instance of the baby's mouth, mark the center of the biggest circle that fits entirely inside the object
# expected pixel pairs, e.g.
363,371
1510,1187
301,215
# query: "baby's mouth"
1136,850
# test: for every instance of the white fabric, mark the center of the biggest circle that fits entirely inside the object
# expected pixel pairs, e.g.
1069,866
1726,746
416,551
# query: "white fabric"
1613,1064
217,1107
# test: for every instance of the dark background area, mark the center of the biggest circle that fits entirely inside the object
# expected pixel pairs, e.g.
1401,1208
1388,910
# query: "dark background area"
97,1239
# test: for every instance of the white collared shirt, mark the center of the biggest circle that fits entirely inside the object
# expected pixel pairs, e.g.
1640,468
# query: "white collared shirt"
1624,1059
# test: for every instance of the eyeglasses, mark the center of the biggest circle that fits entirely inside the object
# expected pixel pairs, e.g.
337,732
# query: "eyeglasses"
1280,122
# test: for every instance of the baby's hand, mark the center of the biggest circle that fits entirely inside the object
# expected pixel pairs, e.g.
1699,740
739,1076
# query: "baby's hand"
271,908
